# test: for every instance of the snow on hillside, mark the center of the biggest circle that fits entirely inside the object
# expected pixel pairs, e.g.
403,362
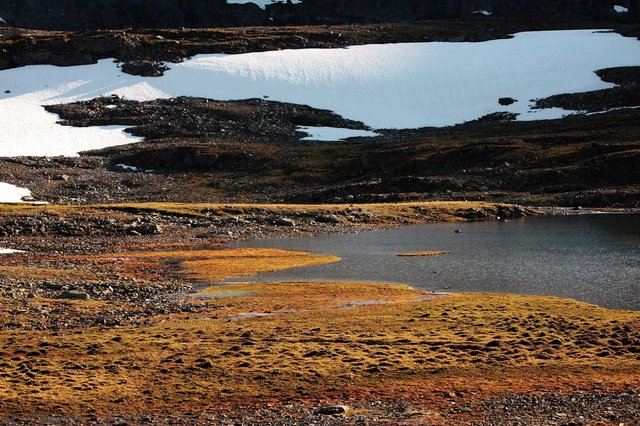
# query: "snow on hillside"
12,194
329,134
620,9
261,3
386,86
9,251
27,129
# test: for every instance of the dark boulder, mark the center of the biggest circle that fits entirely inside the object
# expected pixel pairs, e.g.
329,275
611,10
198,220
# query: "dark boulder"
506,101
144,68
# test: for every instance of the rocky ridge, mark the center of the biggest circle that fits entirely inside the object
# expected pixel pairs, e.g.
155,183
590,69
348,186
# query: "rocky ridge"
101,14
144,51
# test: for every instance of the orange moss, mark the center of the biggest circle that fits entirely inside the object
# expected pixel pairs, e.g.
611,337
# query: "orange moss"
217,265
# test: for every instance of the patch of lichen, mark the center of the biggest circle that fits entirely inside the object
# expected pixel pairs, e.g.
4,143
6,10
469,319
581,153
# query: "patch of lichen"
413,212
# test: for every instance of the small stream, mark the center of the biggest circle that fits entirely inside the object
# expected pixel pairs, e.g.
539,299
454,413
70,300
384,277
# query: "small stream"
593,258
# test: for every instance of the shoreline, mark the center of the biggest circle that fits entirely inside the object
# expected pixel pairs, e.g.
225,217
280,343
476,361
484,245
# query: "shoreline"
570,211
206,361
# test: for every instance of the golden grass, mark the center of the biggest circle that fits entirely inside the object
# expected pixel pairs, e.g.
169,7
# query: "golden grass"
267,297
387,209
312,341
218,265
483,344
412,212
424,253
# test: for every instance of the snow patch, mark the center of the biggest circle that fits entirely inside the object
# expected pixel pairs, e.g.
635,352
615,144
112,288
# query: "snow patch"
620,9
407,85
10,251
2,20
483,12
13,194
27,129
17,195
328,134
412,85
126,167
261,3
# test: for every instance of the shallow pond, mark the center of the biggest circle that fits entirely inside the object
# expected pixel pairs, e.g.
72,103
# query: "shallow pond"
593,258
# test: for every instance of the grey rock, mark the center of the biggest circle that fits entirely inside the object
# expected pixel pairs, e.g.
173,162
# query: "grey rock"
145,229
144,68
205,364
284,221
53,286
73,295
331,410
327,218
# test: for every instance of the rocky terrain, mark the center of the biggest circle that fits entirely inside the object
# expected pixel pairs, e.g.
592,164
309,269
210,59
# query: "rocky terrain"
100,14
207,150
200,150
19,47
535,410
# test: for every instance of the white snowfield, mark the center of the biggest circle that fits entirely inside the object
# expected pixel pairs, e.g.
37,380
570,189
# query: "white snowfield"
12,194
261,3
385,86
9,251
27,129
620,9
329,134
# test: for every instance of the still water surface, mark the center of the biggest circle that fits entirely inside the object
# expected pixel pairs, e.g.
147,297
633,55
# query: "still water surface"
593,258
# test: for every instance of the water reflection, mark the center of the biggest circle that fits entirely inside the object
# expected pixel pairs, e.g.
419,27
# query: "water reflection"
593,258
